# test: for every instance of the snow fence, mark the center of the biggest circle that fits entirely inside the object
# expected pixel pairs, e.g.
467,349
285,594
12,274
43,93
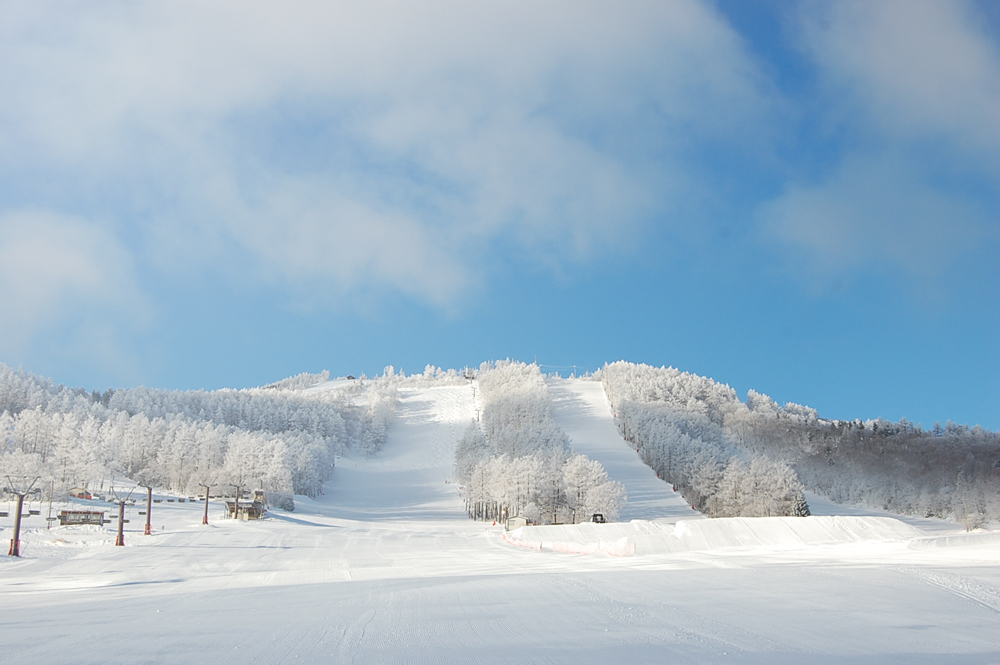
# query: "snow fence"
647,537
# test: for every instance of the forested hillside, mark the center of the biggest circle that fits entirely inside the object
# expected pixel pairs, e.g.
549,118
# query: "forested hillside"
517,461
726,456
276,438
751,458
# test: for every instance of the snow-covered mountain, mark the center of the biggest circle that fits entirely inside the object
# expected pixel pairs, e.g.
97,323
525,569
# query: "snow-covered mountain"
725,456
384,564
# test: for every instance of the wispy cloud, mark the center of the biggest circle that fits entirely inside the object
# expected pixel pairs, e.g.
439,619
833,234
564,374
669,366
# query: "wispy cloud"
912,96
911,70
386,144
55,267
877,211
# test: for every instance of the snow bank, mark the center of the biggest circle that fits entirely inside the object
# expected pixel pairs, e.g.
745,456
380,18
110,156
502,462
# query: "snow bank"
977,538
646,537
788,531
623,546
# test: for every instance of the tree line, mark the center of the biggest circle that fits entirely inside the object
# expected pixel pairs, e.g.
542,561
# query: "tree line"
698,435
279,438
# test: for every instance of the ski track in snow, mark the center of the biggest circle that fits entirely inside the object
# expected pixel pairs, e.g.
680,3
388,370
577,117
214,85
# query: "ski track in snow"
983,594
386,568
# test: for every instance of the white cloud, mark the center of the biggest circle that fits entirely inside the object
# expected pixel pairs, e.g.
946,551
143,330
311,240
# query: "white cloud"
387,143
58,271
302,230
913,91
915,69
875,211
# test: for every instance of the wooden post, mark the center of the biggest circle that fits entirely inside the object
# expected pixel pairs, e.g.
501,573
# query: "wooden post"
120,540
204,520
48,518
15,542
149,512
236,505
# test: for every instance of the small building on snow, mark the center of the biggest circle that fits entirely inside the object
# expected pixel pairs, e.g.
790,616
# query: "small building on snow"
515,523
248,510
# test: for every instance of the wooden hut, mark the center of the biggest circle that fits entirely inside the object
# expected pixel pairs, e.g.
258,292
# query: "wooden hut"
248,510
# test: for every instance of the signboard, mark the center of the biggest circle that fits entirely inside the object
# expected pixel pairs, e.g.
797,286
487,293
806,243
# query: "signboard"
76,517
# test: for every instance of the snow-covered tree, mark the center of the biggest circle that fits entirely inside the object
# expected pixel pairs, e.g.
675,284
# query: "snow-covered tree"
516,460
179,440
668,415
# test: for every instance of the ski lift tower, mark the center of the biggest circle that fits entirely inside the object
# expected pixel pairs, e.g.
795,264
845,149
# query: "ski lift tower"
19,486
149,510
208,489
121,499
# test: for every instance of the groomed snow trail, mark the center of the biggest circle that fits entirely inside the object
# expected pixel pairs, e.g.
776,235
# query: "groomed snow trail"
410,477
581,409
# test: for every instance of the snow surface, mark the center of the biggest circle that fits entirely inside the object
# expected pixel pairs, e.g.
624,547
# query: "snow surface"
648,537
410,477
385,567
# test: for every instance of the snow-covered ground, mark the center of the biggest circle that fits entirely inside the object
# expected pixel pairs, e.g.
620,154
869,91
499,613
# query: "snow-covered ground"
410,477
385,567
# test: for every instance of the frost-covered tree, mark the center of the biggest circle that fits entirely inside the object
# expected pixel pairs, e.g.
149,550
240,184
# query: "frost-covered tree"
667,414
516,460
179,440
759,489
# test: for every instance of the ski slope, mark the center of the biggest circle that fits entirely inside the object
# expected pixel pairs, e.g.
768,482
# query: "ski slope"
410,477
385,568
582,411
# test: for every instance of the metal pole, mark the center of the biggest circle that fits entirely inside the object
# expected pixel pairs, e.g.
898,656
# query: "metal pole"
120,540
149,511
15,542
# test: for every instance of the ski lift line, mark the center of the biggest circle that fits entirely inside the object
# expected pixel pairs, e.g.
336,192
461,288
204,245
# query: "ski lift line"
576,368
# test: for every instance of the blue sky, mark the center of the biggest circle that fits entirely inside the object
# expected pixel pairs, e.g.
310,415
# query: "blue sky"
800,198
